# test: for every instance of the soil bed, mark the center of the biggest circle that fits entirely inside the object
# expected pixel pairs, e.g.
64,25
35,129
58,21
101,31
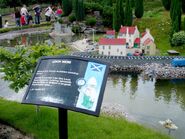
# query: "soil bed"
7,132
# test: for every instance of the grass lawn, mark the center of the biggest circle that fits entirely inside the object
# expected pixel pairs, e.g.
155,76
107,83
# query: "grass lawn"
158,21
44,125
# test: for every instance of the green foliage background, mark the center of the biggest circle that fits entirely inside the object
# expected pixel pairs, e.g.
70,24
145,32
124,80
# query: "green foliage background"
19,66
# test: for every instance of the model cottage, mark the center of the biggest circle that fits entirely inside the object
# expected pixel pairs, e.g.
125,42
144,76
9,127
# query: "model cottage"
128,42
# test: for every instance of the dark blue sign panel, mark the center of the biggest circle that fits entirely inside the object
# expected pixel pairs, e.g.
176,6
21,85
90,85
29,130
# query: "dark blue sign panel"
68,82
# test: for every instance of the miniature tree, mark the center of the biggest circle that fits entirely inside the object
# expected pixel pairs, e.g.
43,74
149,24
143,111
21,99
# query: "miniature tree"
128,13
139,8
166,4
175,14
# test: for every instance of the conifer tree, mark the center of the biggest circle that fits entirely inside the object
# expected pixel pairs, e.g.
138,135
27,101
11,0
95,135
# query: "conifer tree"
78,8
184,23
116,22
166,4
128,13
175,14
118,15
132,3
139,8
122,12
67,6
183,6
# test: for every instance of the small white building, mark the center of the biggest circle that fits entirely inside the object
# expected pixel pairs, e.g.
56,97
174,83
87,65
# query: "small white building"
128,42
110,34
147,43
146,35
130,34
112,46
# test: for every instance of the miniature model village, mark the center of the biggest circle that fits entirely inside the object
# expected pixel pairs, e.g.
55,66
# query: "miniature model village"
128,42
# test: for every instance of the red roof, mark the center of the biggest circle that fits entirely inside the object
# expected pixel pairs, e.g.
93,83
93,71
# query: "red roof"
124,29
143,34
113,41
147,41
137,41
110,32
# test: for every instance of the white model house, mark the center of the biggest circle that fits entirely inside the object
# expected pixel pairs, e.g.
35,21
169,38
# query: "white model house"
130,34
131,45
110,34
112,46
147,43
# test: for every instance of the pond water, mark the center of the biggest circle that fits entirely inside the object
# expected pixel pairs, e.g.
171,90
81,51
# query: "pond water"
146,102
149,102
33,39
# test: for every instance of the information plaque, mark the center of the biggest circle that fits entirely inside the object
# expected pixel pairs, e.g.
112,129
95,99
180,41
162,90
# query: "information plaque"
68,82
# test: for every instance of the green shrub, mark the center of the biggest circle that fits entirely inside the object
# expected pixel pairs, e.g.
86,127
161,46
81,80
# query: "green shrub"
75,29
18,66
3,30
178,38
90,7
60,20
90,21
72,18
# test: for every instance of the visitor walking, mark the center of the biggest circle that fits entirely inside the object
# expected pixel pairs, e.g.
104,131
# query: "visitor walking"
24,12
48,13
37,10
17,17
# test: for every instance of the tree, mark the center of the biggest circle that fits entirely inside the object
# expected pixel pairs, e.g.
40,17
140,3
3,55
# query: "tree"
183,6
78,8
67,7
166,4
139,8
128,13
175,14
122,12
184,23
118,15
10,3
132,3
116,23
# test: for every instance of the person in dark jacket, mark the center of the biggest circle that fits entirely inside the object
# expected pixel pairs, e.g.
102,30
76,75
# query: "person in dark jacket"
37,10
17,17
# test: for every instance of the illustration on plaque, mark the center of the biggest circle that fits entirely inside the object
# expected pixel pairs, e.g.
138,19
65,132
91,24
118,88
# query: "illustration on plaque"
89,86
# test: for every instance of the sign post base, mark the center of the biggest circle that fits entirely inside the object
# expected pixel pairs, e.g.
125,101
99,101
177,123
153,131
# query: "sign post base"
62,121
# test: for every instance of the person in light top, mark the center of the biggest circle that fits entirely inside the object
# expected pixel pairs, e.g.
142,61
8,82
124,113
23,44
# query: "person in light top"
24,12
48,13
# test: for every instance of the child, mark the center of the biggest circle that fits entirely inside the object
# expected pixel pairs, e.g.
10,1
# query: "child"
23,20
6,24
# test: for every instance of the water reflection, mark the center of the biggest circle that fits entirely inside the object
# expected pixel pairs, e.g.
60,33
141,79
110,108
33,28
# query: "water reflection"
34,39
129,83
25,40
149,102
171,90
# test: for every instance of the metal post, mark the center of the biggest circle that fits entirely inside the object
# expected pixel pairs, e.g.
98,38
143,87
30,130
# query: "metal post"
63,128
1,24
93,35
